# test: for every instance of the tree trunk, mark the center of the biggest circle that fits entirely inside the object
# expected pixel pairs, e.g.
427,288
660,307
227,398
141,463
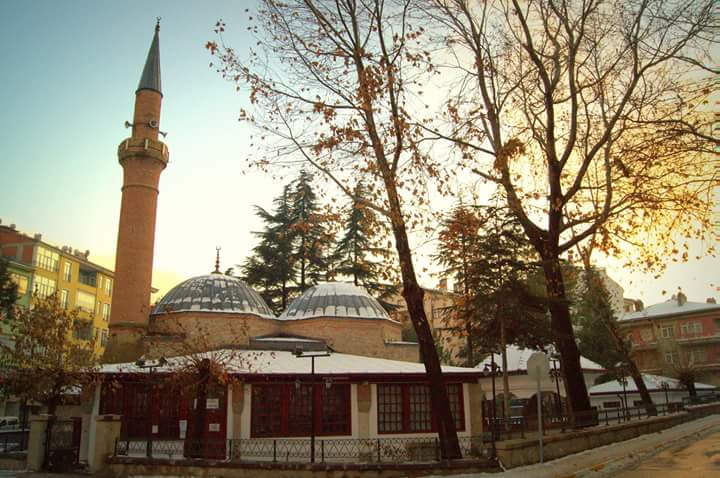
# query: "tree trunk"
561,324
195,449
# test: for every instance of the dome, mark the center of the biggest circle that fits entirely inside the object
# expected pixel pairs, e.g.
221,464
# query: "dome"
335,299
213,293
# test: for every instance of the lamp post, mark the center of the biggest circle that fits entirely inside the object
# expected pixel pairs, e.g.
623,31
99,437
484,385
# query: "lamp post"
150,366
300,354
555,373
621,373
492,371
665,387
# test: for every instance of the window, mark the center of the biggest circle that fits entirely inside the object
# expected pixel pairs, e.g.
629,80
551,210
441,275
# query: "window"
692,328
47,259
67,272
697,355
646,335
611,404
85,301
286,409
106,312
405,408
44,286
103,337
667,331
82,330
64,298
108,286
87,277
671,357
22,283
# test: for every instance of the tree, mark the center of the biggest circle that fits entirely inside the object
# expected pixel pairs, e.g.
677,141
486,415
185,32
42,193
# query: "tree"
310,237
359,253
45,362
8,292
334,93
271,266
599,337
587,112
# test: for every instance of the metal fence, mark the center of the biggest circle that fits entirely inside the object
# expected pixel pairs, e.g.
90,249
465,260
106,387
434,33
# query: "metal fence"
13,440
298,450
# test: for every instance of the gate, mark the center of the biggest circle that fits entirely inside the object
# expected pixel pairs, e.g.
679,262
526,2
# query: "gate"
62,444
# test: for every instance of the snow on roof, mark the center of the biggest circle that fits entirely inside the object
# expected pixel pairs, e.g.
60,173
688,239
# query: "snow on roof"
284,339
670,307
652,382
286,363
335,299
517,360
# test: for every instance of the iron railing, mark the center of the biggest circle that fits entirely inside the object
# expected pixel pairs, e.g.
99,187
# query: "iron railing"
298,450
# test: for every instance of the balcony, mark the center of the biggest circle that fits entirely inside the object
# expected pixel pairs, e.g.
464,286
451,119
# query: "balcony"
87,277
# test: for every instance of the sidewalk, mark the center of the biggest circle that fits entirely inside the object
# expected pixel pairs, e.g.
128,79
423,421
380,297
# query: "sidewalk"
602,461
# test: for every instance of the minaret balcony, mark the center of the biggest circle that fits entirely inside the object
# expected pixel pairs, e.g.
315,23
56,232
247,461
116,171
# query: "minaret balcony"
151,148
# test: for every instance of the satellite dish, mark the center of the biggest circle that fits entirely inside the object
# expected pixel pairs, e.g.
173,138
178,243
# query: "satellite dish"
538,365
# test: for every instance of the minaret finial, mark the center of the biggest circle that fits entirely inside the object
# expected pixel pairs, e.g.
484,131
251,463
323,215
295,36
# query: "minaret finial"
217,260
157,25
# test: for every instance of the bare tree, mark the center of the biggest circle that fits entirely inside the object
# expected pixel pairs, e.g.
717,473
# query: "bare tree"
330,81
592,117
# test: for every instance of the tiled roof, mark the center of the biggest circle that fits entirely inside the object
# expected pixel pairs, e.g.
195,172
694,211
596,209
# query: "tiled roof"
670,307
335,299
213,293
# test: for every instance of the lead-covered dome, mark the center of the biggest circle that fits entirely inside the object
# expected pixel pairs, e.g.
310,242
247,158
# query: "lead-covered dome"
335,299
213,293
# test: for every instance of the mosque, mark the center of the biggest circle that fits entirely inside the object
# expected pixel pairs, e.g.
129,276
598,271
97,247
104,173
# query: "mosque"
364,380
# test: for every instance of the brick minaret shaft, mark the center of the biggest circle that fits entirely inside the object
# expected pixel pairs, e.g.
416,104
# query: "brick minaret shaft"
142,158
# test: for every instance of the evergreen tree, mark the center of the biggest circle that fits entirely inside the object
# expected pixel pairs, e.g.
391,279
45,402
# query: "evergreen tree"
8,292
358,253
310,238
270,268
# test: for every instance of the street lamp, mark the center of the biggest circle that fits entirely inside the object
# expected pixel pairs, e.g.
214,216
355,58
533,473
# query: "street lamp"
299,353
150,366
665,387
622,373
555,373
492,370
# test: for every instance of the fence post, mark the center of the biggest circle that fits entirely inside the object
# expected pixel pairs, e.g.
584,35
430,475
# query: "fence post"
322,451
437,450
274,450
378,450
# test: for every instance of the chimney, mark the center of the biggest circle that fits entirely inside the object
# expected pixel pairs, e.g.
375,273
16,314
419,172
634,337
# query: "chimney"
87,253
37,237
443,284
681,298
710,300
12,226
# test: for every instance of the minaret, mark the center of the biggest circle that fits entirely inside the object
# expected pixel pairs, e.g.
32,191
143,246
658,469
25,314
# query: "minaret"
142,158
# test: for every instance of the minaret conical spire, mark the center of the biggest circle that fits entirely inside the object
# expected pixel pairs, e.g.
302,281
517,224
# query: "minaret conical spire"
150,79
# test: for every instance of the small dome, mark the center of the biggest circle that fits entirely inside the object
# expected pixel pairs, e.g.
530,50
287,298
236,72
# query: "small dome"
213,293
335,299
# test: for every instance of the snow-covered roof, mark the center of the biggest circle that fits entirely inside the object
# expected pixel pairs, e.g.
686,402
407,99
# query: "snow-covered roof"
652,382
286,363
335,299
668,308
213,293
517,360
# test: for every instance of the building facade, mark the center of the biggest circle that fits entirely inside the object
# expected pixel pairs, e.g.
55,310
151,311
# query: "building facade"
43,269
676,336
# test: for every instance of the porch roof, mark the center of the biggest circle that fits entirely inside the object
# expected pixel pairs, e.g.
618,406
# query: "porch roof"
652,382
284,363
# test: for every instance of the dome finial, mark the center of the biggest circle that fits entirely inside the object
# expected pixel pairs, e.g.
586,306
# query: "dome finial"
157,25
217,260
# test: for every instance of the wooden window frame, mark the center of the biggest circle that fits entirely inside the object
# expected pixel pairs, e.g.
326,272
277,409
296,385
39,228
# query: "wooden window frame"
285,392
406,426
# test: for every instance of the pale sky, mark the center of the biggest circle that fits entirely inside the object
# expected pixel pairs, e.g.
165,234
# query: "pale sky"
68,76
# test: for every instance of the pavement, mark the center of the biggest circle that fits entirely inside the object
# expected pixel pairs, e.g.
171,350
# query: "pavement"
621,457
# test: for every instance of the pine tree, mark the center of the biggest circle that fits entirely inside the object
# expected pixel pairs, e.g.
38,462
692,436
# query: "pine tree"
270,268
359,254
310,238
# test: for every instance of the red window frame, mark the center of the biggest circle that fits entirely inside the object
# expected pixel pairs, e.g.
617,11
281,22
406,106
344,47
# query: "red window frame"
405,408
283,410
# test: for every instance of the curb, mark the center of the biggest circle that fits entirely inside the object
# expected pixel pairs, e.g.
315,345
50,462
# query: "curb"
636,456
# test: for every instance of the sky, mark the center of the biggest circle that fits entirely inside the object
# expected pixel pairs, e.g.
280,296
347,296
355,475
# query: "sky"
67,80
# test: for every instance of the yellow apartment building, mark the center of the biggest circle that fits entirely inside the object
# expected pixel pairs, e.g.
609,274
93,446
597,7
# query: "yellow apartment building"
43,269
